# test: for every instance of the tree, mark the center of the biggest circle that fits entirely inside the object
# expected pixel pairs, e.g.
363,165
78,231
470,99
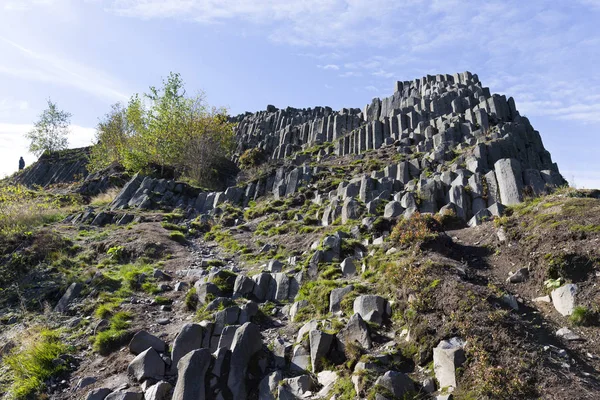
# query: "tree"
50,132
166,128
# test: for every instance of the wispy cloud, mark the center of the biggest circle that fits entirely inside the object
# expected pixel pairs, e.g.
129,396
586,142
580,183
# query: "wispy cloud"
32,65
333,67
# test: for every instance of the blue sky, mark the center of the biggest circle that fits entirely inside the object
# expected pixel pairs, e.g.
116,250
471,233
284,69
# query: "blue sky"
88,54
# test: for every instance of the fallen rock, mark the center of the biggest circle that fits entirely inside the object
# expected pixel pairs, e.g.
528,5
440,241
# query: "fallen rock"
336,296
396,382
568,335
372,308
563,298
320,345
125,395
355,332
267,388
246,342
98,394
71,294
447,356
518,277
158,391
189,339
297,386
143,340
191,375
348,267
147,364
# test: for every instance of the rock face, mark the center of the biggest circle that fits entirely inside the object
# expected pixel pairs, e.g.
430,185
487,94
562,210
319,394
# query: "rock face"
65,166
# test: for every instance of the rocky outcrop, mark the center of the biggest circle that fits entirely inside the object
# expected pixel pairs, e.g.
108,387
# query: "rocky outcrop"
60,167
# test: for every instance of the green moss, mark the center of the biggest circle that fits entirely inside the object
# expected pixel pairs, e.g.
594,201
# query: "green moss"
177,236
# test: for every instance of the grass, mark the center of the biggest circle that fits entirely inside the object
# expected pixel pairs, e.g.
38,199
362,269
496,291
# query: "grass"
582,316
22,209
31,366
115,336
173,227
191,299
104,199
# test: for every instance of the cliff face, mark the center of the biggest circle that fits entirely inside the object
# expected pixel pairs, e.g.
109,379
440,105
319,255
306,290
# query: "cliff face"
65,166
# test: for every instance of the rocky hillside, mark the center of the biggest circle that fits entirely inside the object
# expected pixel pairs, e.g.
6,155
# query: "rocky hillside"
423,247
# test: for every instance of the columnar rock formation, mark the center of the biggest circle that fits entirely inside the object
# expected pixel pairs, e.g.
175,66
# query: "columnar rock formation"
458,148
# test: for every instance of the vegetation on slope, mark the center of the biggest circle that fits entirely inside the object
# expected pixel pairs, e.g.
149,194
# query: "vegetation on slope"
166,129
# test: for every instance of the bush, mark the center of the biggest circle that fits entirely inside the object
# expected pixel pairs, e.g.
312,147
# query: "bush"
251,158
34,364
417,229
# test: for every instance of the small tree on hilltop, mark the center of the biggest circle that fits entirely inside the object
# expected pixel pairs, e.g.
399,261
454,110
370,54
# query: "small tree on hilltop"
50,132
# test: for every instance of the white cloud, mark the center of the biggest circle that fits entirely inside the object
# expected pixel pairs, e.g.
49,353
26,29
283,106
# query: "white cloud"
350,74
329,66
13,144
24,63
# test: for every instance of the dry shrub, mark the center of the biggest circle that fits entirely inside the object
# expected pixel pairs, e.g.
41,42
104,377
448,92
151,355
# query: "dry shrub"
416,230
105,198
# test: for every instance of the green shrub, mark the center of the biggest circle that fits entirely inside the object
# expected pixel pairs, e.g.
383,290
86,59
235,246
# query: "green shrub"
31,366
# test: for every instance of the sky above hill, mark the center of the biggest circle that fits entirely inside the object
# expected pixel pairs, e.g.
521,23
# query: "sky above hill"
87,54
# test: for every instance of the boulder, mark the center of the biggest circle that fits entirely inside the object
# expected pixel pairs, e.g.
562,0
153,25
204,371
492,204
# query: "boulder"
397,383
125,395
147,364
189,338
355,332
348,267
98,394
300,358
393,209
320,345
246,342
336,296
268,386
447,356
372,308
296,307
350,210
510,181
71,294
297,387
159,391
243,285
275,266
191,375
563,299
143,340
